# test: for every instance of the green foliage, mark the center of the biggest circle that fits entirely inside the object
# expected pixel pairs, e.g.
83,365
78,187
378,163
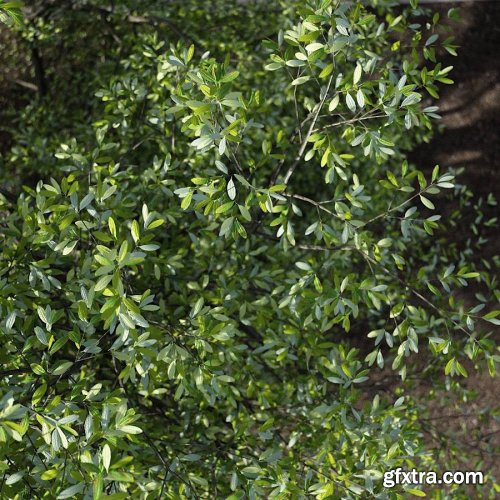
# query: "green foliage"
211,271
10,12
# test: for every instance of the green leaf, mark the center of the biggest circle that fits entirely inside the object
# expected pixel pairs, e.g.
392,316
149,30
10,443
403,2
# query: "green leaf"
112,227
186,201
415,492
231,189
49,474
102,283
40,335
106,456
334,103
301,80
130,429
135,230
98,487
357,73
350,102
327,70
360,98
428,203
155,224
38,394
230,76
226,226
449,366
62,367
71,491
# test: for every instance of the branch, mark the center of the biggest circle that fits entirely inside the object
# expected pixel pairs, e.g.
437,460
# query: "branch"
40,79
417,294
309,132
352,120
312,202
15,371
397,207
22,83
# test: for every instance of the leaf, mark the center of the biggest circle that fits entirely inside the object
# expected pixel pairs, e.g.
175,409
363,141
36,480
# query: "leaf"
226,226
350,102
102,283
155,224
110,191
449,366
230,77
431,39
245,213
149,248
69,247
231,189
295,63
38,394
10,320
89,426
326,71
41,314
428,203
225,207
399,402
98,487
14,478
135,230
360,97
37,369
300,80
71,491
62,437
413,98
122,253
40,335
106,456
220,166
415,492
86,201
130,429
494,321
334,103
49,474
202,142
397,310
197,307
251,471
186,201
112,226
303,265
357,74
448,271
55,440
273,66
313,47
62,367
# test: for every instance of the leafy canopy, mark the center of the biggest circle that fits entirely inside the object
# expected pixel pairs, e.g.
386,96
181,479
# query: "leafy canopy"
222,278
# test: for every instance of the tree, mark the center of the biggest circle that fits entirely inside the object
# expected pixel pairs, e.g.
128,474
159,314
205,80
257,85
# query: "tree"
220,257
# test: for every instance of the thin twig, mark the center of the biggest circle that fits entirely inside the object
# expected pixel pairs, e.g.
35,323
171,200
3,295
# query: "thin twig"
309,132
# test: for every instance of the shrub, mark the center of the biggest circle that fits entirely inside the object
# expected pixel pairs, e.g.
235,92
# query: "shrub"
209,288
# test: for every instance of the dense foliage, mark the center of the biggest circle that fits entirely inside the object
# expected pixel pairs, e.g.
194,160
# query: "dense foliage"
219,275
